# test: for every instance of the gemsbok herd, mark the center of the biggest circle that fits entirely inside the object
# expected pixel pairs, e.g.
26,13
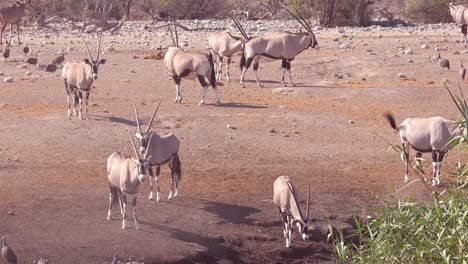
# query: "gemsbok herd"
125,173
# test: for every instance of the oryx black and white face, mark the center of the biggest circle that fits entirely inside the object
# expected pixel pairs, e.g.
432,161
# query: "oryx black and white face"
143,141
142,164
313,41
95,66
303,227
144,137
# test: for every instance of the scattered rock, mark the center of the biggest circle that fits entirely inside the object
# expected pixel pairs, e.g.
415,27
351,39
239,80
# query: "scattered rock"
105,111
401,75
22,66
409,51
351,122
8,79
2,74
231,127
424,46
272,130
11,213
28,73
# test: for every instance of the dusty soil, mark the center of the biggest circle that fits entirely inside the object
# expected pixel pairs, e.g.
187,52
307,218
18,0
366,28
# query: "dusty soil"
329,129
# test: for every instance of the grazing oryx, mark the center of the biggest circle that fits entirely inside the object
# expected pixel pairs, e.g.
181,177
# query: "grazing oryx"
181,63
426,135
79,78
223,44
125,175
12,15
286,198
459,13
163,150
284,46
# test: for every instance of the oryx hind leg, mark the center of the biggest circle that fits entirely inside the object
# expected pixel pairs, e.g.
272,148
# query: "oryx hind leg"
437,158
178,92
171,167
405,147
418,161
80,102
288,67
284,65
219,70
158,191
227,69
256,64
86,105
69,93
124,209
204,85
244,70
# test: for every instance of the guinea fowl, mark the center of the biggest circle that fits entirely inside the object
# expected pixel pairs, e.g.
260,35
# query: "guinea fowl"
8,254
26,50
31,60
444,63
462,71
51,68
59,59
6,53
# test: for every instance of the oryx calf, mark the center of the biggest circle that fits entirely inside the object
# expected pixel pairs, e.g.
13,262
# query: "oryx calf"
79,78
286,198
284,46
181,63
223,44
163,150
426,135
125,175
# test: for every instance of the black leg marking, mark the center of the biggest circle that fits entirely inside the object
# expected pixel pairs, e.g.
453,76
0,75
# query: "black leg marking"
176,79
202,80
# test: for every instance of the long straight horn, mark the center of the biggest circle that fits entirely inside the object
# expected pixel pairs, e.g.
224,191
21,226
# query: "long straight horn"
152,118
239,27
147,146
86,45
176,35
133,144
295,17
99,47
137,120
303,20
308,202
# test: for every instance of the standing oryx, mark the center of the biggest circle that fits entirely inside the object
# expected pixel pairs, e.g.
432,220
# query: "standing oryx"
459,13
426,135
180,64
125,175
163,150
79,78
223,44
284,46
12,15
286,198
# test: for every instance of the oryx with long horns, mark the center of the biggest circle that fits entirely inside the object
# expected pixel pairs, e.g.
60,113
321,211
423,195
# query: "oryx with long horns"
459,13
163,150
125,175
79,78
224,44
181,64
286,198
284,46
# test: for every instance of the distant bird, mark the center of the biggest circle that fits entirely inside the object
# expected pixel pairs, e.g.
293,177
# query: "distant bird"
31,60
59,59
51,68
6,53
7,253
26,50
444,63
462,71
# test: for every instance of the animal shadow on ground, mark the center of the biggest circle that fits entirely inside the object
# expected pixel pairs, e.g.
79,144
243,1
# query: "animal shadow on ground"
230,212
240,105
121,120
215,250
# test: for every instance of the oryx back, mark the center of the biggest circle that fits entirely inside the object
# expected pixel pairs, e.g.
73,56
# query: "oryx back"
281,46
182,63
459,13
225,44
78,75
162,148
285,197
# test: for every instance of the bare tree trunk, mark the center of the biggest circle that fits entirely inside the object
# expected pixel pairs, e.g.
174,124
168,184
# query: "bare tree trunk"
328,13
127,6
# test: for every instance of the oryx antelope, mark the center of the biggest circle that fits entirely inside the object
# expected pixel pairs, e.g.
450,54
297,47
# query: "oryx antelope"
163,150
181,64
125,175
286,198
79,78
426,135
459,13
224,44
284,46
12,16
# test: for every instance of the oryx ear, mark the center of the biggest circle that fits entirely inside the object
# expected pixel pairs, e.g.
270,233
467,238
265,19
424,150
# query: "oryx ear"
86,60
103,61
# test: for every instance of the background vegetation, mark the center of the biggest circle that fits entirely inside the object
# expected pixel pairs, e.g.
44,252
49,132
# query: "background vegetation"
323,12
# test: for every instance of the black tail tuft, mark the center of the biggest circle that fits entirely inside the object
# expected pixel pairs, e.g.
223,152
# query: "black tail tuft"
391,119
177,166
114,196
242,61
213,75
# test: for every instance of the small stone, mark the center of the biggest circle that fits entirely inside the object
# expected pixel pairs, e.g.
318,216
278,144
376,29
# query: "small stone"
231,127
424,46
409,51
410,61
28,73
456,52
401,75
94,104
22,66
272,130
2,74
296,132
11,213
351,121
8,79
105,111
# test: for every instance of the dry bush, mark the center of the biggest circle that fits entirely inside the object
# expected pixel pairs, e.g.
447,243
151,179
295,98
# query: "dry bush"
428,11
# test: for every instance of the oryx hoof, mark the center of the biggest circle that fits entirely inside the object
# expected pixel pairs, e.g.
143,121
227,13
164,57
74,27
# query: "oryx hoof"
227,79
202,102
137,227
170,195
123,226
151,196
158,197
175,193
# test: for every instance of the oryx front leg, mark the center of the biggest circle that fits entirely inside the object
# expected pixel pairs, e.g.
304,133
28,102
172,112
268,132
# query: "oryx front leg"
219,72
244,70
158,193
124,209
151,179
86,105
288,67
135,220
406,159
418,161
80,102
437,158
284,63
204,85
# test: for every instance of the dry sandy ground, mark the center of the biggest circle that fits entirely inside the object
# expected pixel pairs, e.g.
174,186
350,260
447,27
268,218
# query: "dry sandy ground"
54,191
